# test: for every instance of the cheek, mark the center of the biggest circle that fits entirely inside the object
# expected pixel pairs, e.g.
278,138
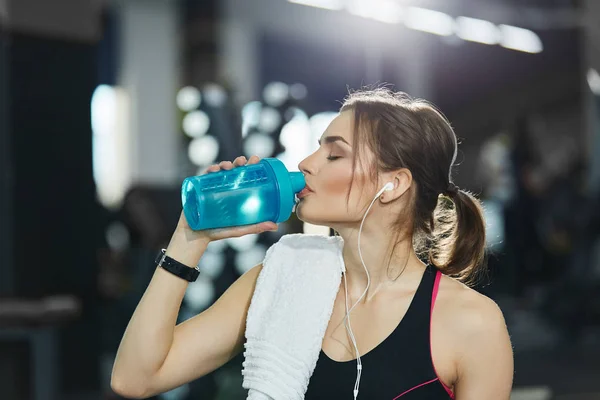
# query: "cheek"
337,181
337,187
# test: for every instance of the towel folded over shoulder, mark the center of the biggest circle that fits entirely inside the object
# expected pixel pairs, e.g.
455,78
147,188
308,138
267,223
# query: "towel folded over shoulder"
289,313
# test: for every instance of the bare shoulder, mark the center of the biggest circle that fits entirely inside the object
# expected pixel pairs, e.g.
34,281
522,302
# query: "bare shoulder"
470,311
471,342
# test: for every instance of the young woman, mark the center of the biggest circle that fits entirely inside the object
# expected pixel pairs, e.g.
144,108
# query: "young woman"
422,332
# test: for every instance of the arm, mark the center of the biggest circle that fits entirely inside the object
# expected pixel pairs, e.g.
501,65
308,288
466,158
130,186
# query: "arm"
485,358
155,355
207,341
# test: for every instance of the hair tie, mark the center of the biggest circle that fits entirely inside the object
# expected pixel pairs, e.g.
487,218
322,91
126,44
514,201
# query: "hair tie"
452,189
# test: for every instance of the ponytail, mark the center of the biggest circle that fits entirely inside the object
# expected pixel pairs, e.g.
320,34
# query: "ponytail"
458,236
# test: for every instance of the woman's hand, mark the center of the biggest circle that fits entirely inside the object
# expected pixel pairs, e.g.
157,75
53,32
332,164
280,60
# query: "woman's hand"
189,244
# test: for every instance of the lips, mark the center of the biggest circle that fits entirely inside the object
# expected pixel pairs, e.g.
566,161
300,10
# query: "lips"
304,192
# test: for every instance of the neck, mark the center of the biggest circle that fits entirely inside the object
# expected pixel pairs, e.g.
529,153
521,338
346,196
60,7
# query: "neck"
384,263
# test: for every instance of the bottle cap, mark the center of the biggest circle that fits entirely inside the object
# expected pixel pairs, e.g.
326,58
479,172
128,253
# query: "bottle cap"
298,182
288,184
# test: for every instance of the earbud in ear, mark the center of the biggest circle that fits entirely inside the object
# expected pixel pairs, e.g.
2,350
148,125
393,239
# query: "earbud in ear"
388,186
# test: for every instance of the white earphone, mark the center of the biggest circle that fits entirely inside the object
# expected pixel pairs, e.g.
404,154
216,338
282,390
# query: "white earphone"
386,188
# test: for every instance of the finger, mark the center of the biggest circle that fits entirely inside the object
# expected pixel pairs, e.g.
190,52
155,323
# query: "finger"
269,226
254,229
213,168
227,165
240,161
253,160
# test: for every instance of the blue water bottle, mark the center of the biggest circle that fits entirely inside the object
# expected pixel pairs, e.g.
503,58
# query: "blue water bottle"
243,195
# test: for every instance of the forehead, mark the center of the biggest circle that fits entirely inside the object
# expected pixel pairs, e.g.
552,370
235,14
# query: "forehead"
342,125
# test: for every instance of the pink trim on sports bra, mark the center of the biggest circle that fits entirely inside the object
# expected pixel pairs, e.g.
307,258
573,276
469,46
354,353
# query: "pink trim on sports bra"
436,287
416,387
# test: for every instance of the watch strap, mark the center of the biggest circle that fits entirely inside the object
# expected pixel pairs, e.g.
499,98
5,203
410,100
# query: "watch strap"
175,267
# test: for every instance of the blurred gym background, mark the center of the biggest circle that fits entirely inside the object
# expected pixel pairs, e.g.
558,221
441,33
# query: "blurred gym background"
105,106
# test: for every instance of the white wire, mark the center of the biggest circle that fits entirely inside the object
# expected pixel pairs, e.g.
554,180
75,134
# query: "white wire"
347,317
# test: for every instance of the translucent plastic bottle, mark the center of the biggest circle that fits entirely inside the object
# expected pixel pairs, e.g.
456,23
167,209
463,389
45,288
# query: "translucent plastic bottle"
244,195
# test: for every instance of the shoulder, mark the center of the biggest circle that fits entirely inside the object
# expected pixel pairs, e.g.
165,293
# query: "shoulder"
474,328
467,311
473,342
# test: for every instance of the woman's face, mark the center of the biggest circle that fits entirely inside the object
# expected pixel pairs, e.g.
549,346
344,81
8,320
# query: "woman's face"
328,173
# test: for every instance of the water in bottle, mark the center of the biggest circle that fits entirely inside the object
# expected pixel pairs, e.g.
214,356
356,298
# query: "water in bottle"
244,195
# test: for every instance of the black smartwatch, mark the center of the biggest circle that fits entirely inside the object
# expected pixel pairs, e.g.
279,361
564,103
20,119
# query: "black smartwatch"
175,267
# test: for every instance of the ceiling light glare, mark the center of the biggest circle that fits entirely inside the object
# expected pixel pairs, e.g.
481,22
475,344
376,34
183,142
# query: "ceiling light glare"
430,21
520,39
325,4
477,30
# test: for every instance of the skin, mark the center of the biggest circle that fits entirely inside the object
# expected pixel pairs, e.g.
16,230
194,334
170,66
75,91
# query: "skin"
471,349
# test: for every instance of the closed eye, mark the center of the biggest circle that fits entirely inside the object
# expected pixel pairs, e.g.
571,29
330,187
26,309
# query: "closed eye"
332,158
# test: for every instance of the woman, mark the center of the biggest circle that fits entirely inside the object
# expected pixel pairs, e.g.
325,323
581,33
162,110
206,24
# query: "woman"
423,334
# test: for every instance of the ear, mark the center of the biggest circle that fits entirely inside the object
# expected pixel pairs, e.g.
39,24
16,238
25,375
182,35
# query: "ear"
402,180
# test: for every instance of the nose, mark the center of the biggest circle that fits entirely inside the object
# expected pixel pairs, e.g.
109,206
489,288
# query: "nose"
304,167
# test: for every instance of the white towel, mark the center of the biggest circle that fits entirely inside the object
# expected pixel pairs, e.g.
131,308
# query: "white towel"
289,313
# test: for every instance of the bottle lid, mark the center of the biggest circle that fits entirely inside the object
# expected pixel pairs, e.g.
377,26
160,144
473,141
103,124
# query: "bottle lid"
289,183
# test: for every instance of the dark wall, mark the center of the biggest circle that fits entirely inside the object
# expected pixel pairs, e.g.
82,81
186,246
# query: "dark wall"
48,188
6,248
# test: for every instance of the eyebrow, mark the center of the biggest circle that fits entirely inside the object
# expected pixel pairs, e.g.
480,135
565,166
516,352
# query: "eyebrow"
332,139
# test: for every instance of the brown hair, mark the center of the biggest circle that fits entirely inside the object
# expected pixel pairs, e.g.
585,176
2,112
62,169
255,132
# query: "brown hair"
447,223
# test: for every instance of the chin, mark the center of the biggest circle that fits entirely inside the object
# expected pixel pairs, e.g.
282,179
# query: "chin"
305,215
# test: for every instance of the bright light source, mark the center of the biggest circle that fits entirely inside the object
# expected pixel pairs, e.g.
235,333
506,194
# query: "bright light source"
318,123
494,224
196,123
477,30
203,150
242,243
200,294
520,39
294,112
359,8
388,11
117,236
244,261
250,116
269,119
326,4
109,110
295,137
214,95
188,98
259,144
212,264
298,91
593,79
103,105
276,93
425,20
217,246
